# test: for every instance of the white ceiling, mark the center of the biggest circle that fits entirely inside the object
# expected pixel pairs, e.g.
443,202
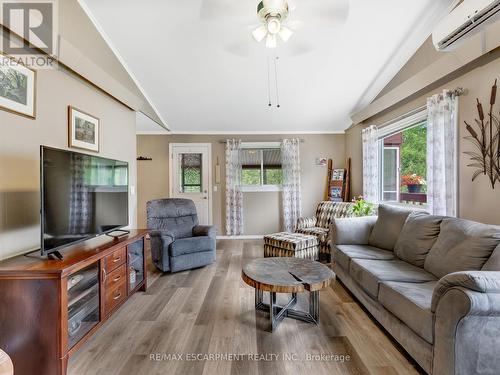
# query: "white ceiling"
198,64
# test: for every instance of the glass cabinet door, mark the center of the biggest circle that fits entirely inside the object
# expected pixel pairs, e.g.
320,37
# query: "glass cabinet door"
83,302
135,271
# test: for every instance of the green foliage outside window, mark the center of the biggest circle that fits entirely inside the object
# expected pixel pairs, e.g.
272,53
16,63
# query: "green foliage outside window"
273,176
414,152
192,180
250,177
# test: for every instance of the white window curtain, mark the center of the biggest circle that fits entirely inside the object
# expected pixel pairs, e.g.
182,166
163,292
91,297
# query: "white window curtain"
442,123
234,196
290,164
371,178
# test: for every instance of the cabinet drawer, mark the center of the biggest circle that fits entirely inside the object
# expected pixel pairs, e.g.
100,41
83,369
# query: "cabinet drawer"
115,260
116,277
115,295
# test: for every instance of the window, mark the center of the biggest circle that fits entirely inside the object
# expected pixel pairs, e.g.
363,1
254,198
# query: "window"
190,173
404,165
261,167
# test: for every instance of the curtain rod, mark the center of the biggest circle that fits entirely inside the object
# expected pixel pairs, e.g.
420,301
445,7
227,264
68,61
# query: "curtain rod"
459,91
280,140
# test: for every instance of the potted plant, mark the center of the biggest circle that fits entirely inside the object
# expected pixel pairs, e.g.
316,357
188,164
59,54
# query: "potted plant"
361,207
413,182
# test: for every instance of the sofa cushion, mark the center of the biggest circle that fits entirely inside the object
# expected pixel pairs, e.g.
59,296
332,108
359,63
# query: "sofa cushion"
352,230
191,245
342,254
411,303
493,262
462,245
368,273
328,210
418,235
386,230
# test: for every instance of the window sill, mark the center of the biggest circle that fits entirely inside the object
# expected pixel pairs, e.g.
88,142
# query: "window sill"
261,189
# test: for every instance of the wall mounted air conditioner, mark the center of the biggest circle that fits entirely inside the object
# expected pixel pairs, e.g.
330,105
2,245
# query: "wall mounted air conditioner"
467,19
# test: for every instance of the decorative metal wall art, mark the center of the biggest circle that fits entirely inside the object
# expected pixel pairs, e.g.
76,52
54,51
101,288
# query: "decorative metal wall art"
485,136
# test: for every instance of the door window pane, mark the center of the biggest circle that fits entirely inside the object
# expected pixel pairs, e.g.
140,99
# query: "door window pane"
190,173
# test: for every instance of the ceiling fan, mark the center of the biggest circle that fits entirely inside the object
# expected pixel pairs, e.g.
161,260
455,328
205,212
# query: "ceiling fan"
316,20
272,14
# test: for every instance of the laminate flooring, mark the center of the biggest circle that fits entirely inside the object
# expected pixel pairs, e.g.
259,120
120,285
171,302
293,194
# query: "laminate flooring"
203,321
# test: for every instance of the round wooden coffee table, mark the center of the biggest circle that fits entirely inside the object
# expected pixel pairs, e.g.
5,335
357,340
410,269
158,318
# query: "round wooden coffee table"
287,275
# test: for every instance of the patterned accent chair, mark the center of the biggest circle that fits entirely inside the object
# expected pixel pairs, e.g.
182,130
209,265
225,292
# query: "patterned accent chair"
319,225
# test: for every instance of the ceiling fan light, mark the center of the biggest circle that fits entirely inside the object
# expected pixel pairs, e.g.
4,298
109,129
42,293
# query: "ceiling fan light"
285,33
259,33
273,25
271,41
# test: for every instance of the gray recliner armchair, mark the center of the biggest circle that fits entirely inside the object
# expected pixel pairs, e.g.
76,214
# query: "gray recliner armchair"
177,241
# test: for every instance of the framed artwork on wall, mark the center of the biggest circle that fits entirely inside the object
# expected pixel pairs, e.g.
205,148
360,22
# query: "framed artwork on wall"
83,130
17,87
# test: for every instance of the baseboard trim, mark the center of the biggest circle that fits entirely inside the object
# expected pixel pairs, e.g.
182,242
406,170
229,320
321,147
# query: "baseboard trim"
242,237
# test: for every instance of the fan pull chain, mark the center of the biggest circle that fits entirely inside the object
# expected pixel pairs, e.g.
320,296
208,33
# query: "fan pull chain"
269,82
276,80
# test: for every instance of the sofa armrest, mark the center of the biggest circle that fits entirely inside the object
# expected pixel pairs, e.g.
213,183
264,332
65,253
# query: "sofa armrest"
477,281
204,230
467,326
352,230
306,222
160,242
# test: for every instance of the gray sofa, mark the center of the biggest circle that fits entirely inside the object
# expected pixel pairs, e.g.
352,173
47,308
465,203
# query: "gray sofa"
432,282
177,241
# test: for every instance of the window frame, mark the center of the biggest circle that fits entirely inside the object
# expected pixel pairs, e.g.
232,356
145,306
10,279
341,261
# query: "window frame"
261,188
381,172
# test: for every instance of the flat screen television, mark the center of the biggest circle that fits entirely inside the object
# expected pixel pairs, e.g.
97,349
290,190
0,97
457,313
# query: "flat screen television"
82,196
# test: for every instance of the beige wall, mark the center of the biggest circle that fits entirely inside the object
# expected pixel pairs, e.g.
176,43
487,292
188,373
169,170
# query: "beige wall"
477,200
262,210
20,139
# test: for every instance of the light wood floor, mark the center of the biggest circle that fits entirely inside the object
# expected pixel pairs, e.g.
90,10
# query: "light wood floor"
211,310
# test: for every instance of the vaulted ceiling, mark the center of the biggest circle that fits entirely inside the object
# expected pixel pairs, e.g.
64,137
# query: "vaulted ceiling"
198,64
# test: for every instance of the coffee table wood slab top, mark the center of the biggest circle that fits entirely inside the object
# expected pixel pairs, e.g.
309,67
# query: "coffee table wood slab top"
287,275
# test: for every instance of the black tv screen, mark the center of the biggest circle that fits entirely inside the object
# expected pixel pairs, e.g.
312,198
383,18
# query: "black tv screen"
82,196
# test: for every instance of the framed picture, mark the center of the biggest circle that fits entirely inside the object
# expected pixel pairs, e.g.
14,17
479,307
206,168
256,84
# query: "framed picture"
321,162
83,130
17,87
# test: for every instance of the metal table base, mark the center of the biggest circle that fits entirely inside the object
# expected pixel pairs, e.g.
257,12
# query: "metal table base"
278,313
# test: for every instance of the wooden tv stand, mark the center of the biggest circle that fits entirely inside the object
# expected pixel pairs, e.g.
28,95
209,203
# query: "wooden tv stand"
43,302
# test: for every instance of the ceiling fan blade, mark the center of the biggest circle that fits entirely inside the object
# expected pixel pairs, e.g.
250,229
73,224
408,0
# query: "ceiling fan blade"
285,33
228,11
294,24
259,33
320,10
271,41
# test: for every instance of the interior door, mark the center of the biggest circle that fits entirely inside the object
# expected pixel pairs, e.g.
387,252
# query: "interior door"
190,176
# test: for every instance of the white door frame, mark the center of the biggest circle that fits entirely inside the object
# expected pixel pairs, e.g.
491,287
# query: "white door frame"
171,169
